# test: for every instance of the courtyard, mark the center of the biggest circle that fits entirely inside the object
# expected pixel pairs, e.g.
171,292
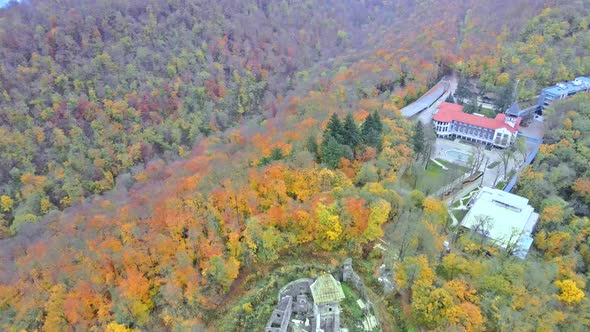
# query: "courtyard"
459,152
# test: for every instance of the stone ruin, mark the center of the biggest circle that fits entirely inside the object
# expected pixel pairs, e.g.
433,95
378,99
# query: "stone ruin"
313,305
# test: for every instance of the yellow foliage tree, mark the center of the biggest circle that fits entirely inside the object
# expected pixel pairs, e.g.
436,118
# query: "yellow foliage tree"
582,187
247,307
378,216
569,292
45,205
503,79
302,184
554,243
414,270
552,213
453,304
435,210
453,265
55,320
116,327
328,225
431,307
6,203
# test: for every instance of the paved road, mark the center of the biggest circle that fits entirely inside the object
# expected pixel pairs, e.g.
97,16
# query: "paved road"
426,116
535,129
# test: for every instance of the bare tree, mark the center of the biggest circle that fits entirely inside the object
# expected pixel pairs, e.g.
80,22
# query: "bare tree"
429,146
402,236
482,226
498,172
476,159
511,242
506,155
520,148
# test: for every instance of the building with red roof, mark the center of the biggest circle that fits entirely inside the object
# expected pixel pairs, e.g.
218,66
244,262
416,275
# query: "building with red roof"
451,122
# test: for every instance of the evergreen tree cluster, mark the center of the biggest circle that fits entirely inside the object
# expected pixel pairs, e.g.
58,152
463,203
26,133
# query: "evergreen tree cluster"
418,137
275,154
344,139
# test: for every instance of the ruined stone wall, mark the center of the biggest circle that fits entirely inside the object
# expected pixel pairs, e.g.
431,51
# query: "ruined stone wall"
350,277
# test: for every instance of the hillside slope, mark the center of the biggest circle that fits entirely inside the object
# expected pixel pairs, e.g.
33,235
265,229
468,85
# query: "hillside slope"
223,125
88,90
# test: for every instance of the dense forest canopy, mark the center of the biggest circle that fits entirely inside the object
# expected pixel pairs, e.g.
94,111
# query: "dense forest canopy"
91,89
157,155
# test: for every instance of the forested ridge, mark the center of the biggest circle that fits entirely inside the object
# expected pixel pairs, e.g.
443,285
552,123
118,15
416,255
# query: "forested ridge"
91,89
224,138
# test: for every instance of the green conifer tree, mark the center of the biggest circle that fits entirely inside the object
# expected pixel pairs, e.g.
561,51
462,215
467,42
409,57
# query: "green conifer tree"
335,128
371,131
332,151
352,136
418,137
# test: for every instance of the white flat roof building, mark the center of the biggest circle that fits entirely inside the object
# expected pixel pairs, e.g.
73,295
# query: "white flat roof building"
504,218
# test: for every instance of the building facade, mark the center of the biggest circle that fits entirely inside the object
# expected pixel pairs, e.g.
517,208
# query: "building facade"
563,90
451,122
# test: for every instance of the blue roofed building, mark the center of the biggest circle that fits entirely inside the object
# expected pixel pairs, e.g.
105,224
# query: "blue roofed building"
563,90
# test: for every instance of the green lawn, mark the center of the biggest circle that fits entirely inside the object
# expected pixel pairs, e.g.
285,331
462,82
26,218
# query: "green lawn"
450,165
488,112
511,173
493,165
459,214
349,304
469,193
433,170
434,176
500,185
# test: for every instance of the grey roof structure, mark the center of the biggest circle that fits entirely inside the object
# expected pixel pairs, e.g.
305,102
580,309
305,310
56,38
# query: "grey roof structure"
326,289
514,109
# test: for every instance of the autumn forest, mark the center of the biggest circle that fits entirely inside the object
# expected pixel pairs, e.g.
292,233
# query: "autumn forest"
167,165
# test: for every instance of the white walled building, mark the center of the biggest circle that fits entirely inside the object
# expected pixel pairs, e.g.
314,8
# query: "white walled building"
451,122
504,218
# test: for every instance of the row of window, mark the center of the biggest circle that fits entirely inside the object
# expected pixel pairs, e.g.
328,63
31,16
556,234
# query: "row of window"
498,141
473,131
465,129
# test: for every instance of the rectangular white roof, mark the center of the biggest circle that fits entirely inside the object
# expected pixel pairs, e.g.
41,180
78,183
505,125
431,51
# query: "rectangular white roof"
509,218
